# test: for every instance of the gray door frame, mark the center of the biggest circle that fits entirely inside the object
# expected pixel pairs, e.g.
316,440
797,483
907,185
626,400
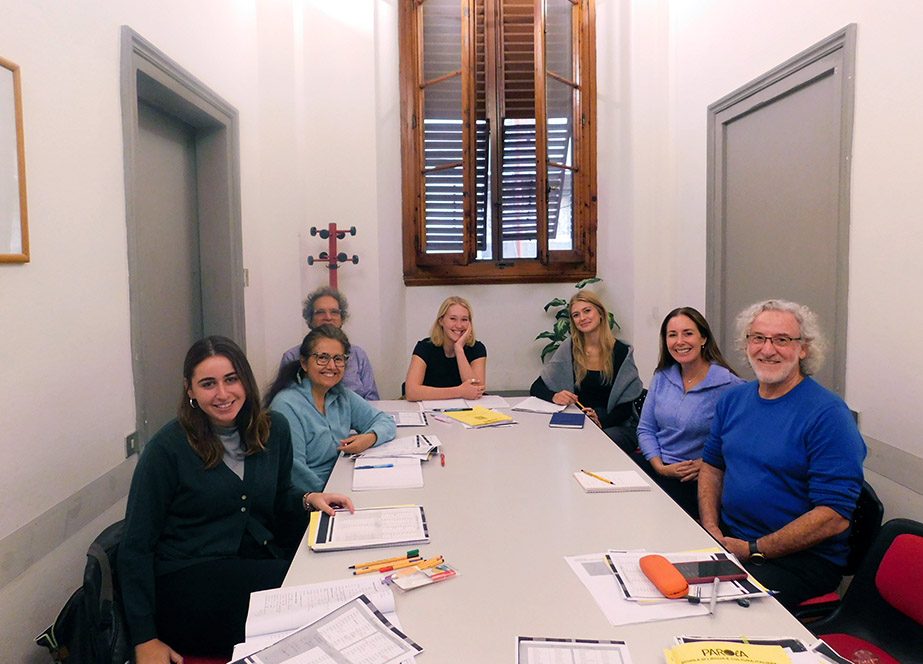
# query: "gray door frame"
842,46
147,74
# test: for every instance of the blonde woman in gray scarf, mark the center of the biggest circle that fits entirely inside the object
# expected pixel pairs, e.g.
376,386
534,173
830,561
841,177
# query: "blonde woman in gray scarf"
596,371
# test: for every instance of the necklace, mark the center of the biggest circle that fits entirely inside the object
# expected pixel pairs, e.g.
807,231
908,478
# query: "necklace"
696,378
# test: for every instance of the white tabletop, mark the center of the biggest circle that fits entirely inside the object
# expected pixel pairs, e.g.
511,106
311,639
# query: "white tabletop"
504,511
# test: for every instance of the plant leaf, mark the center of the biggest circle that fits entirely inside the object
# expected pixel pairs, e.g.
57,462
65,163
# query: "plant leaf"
563,313
546,335
550,348
587,281
562,327
613,322
556,302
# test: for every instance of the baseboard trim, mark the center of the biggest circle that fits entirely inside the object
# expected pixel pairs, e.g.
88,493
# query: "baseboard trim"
24,547
897,465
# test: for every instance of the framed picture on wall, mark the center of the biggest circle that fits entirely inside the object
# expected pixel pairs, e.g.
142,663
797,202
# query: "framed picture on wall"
14,228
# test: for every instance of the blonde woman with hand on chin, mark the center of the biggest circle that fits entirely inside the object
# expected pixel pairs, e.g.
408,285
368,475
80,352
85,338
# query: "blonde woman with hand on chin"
451,363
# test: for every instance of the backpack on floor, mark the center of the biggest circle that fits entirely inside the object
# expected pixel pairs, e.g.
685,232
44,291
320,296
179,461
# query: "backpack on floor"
91,629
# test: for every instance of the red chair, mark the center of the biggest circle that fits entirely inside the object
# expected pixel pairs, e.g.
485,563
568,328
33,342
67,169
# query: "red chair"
882,610
864,527
193,659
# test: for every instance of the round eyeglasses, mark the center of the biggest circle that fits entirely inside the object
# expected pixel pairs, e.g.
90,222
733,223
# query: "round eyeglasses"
323,359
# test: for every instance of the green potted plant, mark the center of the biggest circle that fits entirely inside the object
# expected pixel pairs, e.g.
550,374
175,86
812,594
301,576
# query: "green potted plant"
561,328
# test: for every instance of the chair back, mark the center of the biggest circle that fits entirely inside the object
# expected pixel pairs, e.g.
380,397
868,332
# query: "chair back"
864,527
882,604
900,576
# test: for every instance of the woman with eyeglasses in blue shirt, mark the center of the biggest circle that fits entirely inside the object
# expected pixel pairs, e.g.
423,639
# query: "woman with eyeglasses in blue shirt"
321,412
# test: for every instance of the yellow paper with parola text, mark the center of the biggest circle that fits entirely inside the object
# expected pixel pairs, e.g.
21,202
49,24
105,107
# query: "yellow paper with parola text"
725,652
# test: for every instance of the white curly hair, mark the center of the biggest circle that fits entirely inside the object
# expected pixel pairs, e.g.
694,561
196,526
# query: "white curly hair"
812,340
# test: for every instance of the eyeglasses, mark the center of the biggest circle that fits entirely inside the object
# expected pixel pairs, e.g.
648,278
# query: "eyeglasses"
327,312
323,359
779,341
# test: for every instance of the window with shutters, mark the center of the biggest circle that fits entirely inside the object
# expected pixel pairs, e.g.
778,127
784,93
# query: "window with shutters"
498,140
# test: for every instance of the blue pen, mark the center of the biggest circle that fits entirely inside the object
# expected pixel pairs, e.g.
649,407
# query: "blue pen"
381,465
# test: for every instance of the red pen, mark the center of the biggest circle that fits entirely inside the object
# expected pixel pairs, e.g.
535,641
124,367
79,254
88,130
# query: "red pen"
443,459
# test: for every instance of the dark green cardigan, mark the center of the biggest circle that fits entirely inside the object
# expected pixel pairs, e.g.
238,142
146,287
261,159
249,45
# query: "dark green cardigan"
180,514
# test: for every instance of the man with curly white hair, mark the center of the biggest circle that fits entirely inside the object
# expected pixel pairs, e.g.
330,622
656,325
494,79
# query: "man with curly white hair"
782,468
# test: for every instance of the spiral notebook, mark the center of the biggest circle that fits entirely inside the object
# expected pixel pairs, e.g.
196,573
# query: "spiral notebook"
621,480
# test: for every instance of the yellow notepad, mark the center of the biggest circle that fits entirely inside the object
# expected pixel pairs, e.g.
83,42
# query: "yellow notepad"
479,417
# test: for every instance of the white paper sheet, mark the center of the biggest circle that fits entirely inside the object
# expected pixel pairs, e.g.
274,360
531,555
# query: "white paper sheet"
536,405
595,574
375,473
283,609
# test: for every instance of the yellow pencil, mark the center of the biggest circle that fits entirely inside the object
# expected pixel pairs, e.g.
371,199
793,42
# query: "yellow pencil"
406,563
581,406
597,476
409,554
432,562
388,565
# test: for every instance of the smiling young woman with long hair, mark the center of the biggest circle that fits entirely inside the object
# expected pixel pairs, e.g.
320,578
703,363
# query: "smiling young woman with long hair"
212,513
690,378
596,369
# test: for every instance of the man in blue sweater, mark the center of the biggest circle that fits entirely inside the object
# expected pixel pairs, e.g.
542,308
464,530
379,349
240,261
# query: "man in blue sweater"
782,467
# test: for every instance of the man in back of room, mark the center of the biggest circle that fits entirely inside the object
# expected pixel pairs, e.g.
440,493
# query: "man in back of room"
327,306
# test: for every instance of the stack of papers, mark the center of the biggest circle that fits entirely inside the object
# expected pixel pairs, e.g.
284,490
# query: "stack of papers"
276,613
478,417
612,595
611,481
377,473
351,632
367,528
443,405
413,447
408,418
638,588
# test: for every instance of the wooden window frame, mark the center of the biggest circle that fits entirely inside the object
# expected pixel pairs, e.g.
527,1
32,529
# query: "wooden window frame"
422,269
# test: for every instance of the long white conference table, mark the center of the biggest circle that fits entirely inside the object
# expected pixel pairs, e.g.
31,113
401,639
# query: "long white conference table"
504,511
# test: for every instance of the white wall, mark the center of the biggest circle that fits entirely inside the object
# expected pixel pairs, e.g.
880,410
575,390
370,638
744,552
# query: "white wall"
316,86
717,46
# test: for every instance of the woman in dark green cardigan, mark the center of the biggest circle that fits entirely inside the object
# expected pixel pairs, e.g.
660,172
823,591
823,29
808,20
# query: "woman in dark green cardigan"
212,514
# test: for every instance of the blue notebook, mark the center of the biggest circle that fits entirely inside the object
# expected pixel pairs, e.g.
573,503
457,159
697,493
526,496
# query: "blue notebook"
567,420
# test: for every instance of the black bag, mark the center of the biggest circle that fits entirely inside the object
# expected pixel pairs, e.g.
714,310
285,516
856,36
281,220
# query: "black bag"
91,627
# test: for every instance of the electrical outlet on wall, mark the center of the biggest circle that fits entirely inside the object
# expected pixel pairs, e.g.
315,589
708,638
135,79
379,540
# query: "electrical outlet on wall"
131,444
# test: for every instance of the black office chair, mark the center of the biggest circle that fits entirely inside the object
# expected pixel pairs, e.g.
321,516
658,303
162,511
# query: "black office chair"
882,610
864,528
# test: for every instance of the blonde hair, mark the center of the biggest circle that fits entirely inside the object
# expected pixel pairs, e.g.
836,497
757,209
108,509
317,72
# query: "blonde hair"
606,339
437,335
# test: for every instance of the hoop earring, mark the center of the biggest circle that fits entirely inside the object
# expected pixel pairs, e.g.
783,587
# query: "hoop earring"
193,404
298,375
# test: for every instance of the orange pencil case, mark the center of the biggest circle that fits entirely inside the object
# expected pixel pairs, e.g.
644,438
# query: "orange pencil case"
665,576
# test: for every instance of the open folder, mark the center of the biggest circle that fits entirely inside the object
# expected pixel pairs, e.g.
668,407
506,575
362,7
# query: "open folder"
367,528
